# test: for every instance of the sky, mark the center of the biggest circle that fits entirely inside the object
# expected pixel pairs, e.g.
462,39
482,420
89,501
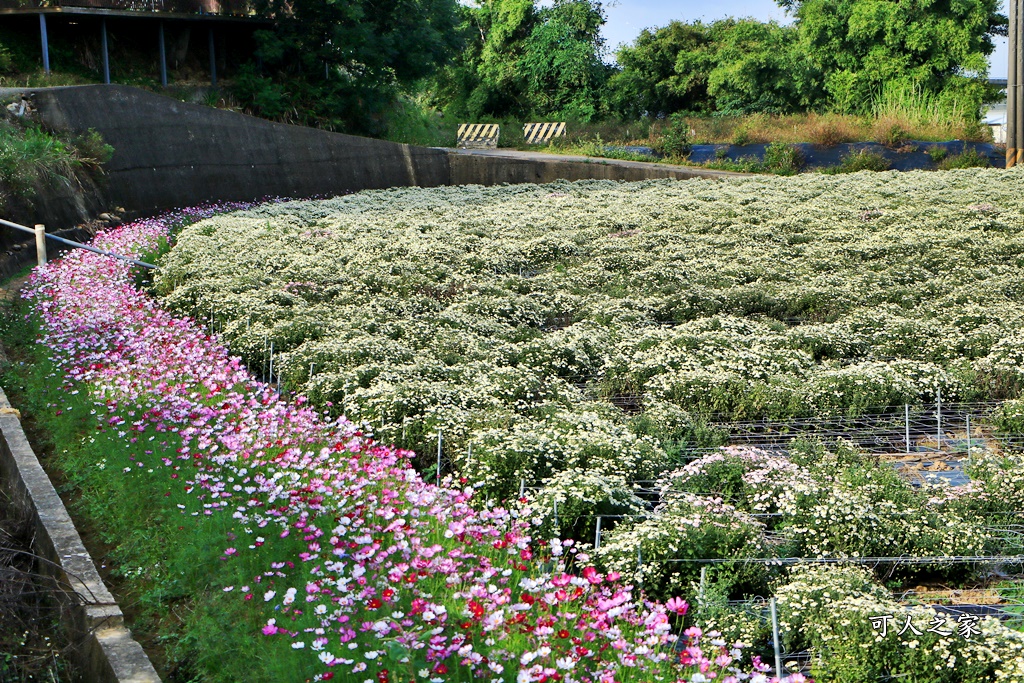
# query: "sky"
626,18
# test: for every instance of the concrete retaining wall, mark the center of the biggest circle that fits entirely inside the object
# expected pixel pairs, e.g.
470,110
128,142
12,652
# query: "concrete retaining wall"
170,154
106,651
493,167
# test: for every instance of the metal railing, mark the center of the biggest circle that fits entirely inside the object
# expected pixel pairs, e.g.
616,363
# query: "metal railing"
41,236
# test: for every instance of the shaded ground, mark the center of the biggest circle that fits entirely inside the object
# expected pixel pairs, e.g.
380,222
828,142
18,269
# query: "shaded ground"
32,646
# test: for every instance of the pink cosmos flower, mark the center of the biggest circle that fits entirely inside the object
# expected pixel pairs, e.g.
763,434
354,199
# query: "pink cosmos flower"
677,605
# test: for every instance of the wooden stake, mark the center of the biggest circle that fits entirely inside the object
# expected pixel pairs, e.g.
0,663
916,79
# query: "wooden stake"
41,244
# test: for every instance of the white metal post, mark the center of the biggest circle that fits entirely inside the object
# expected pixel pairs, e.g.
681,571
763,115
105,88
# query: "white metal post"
906,421
439,457
968,440
775,640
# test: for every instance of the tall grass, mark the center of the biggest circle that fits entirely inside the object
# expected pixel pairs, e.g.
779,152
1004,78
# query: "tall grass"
414,122
911,103
925,115
30,156
821,129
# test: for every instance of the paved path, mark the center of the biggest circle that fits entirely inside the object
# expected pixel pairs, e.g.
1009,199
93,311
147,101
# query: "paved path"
683,171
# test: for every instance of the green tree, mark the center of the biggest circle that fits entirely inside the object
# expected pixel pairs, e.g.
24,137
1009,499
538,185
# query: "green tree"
857,46
562,60
647,82
526,61
756,68
728,66
342,63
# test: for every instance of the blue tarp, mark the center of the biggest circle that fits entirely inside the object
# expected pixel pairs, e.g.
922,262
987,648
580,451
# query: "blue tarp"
914,155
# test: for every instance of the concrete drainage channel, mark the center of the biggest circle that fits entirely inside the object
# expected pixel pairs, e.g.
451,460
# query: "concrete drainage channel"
106,651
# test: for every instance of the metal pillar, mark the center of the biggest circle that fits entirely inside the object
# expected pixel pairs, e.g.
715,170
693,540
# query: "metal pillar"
1013,86
213,62
46,43
163,56
775,639
1018,56
104,48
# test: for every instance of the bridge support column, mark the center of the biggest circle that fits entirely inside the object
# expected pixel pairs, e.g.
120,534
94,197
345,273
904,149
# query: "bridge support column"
104,48
46,42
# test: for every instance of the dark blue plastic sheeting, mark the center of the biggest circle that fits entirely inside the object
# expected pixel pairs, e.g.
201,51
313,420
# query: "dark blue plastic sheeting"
914,155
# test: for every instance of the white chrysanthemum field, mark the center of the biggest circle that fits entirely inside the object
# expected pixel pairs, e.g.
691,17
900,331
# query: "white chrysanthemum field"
580,350
581,432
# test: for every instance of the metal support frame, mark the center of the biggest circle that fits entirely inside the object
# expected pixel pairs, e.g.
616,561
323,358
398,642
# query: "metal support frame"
213,61
105,50
775,639
46,42
163,55
1015,71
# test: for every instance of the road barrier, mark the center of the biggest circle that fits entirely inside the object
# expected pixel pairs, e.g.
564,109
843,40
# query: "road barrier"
541,133
478,135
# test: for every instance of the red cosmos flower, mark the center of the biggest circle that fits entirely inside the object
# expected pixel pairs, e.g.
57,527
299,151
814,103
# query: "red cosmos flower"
382,676
476,609
527,598
327,676
563,633
441,668
387,594
374,603
525,554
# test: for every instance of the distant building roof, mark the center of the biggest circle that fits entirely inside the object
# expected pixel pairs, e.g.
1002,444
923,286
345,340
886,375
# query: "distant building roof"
994,115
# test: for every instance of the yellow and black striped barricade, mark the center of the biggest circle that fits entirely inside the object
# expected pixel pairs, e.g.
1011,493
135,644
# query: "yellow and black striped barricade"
541,133
478,135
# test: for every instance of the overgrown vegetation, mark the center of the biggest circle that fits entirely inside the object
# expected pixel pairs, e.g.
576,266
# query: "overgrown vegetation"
966,159
864,160
32,646
31,157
